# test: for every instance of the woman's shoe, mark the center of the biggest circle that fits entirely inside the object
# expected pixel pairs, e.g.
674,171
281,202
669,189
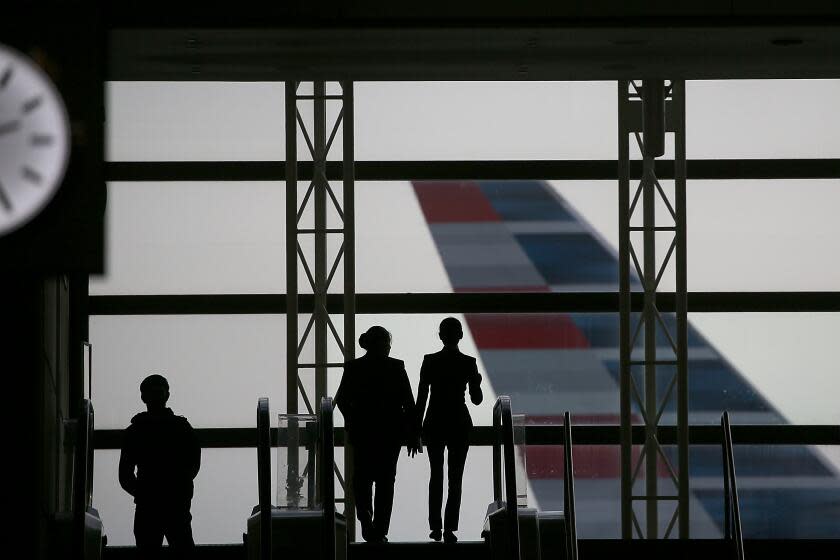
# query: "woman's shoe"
449,537
435,535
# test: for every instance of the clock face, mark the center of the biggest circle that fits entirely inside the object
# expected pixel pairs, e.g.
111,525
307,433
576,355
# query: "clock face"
34,139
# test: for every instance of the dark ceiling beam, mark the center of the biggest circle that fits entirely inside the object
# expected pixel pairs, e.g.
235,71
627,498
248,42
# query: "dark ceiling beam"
411,303
627,40
224,14
578,170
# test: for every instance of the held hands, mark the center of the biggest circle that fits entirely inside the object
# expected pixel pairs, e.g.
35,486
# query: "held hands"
414,447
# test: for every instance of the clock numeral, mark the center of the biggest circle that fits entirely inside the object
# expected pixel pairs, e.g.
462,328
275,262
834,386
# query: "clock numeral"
4,199
6,77
31,175
41,140
9,127
32,104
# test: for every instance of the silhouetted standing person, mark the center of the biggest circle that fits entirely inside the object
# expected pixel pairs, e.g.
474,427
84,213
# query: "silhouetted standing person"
160,458
379,413
447,373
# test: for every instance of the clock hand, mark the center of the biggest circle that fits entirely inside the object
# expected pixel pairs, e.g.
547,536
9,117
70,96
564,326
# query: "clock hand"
10,126
4,199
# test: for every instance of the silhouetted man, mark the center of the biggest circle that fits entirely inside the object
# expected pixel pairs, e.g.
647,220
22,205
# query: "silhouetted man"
379,414
160,458
447,374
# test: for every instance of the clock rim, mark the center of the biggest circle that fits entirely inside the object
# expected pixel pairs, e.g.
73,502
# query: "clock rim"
65,153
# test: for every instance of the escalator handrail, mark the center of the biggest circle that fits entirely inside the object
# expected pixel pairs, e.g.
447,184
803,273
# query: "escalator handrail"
327,452
569,490
504,457
82,473
732,508
264,476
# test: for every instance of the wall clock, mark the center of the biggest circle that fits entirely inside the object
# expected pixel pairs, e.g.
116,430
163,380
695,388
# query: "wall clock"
34,139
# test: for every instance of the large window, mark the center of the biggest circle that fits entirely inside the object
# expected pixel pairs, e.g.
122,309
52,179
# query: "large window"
222,237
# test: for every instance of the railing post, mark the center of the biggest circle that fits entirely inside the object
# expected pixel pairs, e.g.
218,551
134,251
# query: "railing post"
569,489
497,453
512,508
264,476
327,477
82,476
731,488
727,528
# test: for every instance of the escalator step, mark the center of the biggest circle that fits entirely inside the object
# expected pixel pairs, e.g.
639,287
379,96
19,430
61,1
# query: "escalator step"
465,550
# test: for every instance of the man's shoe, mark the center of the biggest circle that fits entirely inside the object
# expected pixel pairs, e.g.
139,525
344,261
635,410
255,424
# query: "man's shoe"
435,535
449,537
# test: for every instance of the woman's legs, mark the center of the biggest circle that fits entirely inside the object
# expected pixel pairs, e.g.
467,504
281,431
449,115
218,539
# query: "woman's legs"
435,451
455,474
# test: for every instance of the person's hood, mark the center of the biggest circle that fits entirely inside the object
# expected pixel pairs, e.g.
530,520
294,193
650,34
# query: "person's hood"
146,417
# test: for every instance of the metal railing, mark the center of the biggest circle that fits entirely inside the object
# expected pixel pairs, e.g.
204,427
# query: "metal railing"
326,468
504,458
569,491
731,507
264,476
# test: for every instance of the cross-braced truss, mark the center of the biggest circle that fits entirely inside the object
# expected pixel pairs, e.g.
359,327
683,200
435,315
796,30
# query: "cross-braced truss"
307,245
653,347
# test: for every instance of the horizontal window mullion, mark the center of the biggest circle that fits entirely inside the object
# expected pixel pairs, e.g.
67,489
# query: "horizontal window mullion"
223,438
412,303
477,170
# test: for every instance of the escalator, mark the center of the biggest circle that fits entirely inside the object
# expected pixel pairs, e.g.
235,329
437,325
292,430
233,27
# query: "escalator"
298,530
303,522
517,533
80,533
511,532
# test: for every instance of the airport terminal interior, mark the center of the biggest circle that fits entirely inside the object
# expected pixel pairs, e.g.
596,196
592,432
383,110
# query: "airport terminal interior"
630,209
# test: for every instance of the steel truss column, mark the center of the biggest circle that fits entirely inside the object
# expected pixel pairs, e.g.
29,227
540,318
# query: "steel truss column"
319,197
648,111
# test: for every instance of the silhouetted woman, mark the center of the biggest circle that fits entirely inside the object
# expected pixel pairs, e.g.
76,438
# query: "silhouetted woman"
448,374
379,413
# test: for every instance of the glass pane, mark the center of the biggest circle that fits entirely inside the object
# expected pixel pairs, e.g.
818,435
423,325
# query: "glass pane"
521,468
217,366
762,235
229,237
762,119
768,235
485,120
225,494
466,236
176,238
785,491
217,121
480,236
87,351
206,121
296,464
195,121
597,485
785,363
